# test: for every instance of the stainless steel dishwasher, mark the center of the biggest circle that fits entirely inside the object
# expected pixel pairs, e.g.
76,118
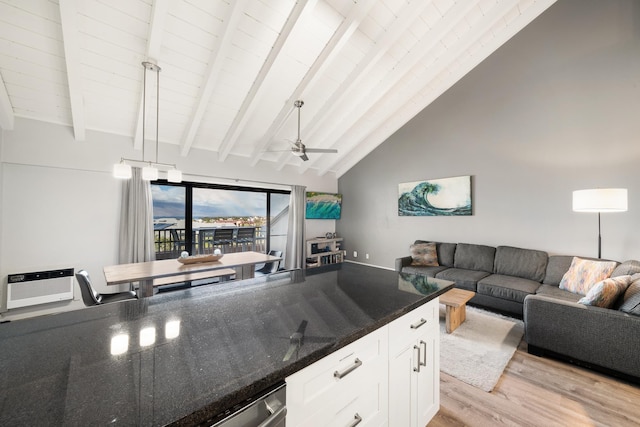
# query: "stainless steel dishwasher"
267,410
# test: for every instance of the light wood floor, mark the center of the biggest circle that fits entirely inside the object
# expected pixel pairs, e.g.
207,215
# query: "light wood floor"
537,391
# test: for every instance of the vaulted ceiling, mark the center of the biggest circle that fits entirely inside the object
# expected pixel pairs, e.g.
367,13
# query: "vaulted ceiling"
231,70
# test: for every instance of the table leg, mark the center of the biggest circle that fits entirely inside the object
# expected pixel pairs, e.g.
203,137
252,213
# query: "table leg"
454,317
145,289
246,271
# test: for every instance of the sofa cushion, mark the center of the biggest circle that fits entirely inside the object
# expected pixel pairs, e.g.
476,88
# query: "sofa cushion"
507,287
605,293
585,273
557,265
465,279
424,270
554,291
526,263
630,301
423,254
445,252
630,267
474,257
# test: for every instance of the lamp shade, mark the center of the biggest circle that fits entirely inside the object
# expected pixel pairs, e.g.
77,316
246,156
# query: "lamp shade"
600,200
122,171
149,173
174,175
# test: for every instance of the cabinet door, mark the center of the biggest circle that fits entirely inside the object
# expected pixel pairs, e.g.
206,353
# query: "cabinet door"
402,392
427,381
414,380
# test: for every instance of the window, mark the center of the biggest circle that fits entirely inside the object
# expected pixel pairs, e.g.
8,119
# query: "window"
198,218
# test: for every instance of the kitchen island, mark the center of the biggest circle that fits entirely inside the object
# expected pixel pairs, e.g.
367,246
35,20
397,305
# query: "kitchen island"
186,357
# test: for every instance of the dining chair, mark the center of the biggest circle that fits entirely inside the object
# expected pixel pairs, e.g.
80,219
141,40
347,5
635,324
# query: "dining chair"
92,297
246,236
269,267
179,243
223,237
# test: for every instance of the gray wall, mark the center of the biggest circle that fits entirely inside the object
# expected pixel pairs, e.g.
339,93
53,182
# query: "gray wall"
554,110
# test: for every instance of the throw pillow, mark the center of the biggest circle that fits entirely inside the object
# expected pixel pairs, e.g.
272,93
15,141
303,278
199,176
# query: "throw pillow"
584,273
631,298
424,254
605,293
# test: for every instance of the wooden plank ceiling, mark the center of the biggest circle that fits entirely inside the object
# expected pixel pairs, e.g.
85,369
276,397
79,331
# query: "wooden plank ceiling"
232,69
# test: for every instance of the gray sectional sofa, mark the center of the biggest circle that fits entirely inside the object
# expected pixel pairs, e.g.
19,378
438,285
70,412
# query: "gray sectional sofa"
525,283
501,277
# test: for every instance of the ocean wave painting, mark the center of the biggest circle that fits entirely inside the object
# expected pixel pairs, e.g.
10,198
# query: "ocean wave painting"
323,205
435,197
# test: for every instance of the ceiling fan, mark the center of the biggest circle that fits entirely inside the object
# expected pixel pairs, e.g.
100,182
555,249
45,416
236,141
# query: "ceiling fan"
298,148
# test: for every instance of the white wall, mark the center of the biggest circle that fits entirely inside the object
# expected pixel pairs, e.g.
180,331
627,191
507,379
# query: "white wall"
61,205
554,110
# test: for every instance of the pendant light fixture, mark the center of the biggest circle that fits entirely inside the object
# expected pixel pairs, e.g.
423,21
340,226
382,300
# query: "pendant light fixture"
122,170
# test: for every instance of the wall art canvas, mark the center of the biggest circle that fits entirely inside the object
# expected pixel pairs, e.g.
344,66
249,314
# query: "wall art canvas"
323,205
435,197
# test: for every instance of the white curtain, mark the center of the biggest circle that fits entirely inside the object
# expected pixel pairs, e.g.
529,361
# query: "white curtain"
136,242
294,258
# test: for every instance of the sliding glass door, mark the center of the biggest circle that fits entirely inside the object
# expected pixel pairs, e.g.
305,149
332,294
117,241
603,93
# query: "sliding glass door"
199,218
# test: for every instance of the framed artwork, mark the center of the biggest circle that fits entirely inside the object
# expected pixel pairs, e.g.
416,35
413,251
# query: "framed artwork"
323,205
435,197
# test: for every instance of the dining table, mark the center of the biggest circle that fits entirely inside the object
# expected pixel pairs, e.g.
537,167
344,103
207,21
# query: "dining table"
155,273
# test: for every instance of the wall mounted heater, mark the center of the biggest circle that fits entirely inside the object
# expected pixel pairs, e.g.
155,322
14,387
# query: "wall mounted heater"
39,287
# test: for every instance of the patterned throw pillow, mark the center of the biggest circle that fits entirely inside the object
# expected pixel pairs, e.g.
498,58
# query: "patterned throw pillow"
605,293
584,273
631,299
424,254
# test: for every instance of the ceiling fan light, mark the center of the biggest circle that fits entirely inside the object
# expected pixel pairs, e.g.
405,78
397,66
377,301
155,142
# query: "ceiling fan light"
149,173
174,175
297,153
122,171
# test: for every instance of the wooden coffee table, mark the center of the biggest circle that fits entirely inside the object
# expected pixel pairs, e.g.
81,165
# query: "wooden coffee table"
456,302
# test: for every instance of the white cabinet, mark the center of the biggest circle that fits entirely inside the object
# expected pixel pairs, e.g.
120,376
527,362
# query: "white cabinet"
324,251
347,386
390,377
414,367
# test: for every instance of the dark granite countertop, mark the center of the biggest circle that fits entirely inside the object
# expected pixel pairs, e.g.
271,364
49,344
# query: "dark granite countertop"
229,346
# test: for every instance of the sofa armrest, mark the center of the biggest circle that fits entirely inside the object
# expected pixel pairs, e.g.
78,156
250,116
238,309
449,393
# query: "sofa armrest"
600,336
403,262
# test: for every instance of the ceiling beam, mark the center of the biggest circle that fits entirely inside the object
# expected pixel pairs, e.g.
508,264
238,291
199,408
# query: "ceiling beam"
338,40
248,105
223,45
159,12
362,100
7,118
70,37
407,103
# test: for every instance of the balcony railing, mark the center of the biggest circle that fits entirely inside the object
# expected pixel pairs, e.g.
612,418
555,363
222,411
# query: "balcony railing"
169,243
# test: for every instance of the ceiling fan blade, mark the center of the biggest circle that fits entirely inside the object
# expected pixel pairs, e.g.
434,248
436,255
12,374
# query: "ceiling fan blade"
304,157
321,150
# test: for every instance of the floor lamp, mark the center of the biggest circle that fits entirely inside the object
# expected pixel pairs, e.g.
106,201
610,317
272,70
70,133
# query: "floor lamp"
600,200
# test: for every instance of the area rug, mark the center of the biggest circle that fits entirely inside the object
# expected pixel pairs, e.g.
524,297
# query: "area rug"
479,350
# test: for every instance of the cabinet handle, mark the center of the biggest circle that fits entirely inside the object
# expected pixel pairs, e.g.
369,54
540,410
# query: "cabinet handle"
418,324
424,350
356,364
357,420
275,418
417,367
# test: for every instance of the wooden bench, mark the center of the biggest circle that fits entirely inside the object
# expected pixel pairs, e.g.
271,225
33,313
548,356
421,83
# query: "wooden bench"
223,274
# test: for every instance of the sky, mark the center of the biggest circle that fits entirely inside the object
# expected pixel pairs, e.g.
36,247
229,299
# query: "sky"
168,202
